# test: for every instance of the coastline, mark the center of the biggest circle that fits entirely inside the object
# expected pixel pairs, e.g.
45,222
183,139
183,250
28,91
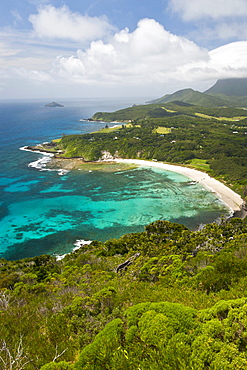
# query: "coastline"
225,194
231,199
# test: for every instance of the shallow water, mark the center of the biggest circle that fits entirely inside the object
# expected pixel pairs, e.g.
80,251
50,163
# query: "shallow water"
42,212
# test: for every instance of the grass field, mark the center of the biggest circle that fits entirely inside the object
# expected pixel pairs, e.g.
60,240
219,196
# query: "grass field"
200,164
169,110
231,119
115,128
162,130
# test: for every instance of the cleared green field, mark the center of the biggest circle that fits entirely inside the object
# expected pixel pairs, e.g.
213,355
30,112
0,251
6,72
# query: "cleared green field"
200,164
232,119
169,110
162,130
106,130
56,140
109,129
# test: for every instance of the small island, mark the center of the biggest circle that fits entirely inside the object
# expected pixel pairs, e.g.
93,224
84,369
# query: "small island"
54,105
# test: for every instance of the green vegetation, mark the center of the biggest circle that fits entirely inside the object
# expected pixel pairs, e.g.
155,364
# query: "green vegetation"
169,110
233,87
232,119
200,164
179,304
230,92
56,140
107,129
162,130
190,96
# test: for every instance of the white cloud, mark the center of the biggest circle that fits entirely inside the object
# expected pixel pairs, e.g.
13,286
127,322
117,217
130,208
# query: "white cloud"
148,54
226,32
16,16
230,57
6,50
227,61
230,31
16,52
61,23
148,61
214,9
29,74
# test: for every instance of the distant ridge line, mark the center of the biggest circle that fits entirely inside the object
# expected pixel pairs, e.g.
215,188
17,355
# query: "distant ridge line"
230,92
229,87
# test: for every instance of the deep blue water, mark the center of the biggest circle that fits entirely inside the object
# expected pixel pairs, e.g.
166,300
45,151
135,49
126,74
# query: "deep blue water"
42,212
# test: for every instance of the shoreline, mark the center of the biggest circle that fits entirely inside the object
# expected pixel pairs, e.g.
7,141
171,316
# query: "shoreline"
225,194
231,199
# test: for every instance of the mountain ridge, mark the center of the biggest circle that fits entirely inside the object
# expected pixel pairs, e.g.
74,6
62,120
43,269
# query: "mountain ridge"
226,92
229,87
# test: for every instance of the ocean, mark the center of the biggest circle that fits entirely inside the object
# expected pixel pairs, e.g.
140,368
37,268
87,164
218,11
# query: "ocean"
42,212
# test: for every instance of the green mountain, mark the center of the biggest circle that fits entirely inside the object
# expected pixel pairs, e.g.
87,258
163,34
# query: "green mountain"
229,87
193,97
231,92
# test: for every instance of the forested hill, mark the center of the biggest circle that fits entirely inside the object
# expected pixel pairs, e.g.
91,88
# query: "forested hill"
166,298
230,92
195,98
230,87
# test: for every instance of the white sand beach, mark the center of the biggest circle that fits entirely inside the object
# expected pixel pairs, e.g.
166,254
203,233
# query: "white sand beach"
228,196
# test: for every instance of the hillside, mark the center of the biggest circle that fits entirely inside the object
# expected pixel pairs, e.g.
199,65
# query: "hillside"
230,87
166,298
230,92
164,110
192,97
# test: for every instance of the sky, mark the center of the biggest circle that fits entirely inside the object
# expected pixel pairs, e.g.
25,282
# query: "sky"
119,48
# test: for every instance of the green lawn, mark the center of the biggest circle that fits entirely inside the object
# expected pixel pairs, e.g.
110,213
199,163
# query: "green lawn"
200,164
231,119
169,110
162,130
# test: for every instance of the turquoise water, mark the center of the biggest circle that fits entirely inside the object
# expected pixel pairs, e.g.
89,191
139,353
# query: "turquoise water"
42,212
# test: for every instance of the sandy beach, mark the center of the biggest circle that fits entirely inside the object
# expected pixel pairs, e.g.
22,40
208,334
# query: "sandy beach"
228,196
225,194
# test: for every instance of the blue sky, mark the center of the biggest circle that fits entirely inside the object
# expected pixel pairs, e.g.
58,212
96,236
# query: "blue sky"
119,48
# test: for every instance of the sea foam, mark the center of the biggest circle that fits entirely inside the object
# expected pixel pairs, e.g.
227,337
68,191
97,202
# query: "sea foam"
78,244
41,163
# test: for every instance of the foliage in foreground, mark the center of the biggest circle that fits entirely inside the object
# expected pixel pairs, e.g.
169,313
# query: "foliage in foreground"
180,304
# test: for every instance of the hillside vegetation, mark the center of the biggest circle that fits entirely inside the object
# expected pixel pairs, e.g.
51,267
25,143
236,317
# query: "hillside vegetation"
193,97
166,298
230,92
230,87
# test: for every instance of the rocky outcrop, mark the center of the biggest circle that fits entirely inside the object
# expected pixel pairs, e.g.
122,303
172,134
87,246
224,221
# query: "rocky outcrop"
107,156
54,105
124,265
